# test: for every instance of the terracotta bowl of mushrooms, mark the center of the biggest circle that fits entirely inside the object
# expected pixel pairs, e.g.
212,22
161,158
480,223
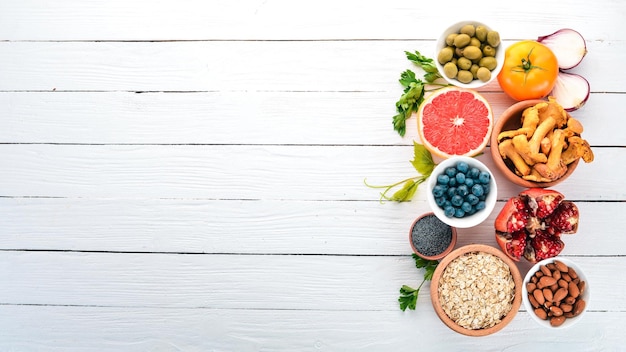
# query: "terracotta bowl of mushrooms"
536,143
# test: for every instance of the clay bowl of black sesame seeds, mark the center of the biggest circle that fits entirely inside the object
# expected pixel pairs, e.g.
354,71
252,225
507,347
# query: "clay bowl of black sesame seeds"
431,238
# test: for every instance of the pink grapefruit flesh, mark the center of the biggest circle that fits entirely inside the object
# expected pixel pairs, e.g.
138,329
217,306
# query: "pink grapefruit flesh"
455,121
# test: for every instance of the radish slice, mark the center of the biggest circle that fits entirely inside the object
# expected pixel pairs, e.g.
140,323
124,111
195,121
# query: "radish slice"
571,91
568,46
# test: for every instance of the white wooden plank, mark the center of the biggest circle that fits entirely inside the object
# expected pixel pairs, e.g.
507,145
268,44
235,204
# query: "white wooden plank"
247,172
268,282
239,65
256,19
256,117
258,227
83,329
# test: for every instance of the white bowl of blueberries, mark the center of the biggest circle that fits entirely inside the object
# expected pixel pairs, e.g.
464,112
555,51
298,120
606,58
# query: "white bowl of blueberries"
462,191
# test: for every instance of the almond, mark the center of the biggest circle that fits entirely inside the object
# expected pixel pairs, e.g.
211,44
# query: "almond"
561,266
546,281
559,294
573,290
557,321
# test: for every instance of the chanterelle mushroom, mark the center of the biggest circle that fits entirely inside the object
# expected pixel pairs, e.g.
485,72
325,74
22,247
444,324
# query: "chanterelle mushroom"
578,148
554,168
507,151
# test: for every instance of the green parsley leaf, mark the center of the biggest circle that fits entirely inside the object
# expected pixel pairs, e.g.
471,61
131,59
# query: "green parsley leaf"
408,295
409,101
414,89
427,64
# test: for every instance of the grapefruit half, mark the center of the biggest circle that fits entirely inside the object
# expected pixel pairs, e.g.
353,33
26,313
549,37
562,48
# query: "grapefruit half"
454,121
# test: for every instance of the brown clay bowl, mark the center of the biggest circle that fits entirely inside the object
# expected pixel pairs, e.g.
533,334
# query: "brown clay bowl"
511,119
428,235
438,302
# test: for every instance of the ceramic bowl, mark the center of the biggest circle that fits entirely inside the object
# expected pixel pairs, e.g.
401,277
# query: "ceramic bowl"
529,307
429,235
511,119
470,220
441,43
438,301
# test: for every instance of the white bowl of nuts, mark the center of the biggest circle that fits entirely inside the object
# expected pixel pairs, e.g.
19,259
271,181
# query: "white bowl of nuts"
556,293
476,290
476,66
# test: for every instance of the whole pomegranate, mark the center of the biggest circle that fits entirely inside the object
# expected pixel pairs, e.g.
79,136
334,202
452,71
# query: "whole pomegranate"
531,224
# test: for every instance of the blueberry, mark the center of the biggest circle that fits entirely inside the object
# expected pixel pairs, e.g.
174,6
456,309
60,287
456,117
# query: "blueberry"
469,182
462,166
472,211
467,207
484,177
449,211
481,205
440,201
462,190
451,171
460,178
447,203
456,200
473,172
472,199
459,213
486,188
438,191
452,181
443,179
451,191
478,190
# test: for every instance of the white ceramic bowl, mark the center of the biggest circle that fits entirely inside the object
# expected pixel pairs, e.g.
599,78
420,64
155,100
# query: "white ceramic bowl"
441,43
470,220
530,309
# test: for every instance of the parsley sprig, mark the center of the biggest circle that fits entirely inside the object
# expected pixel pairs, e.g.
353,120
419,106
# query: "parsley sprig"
408,295
414,89
423,163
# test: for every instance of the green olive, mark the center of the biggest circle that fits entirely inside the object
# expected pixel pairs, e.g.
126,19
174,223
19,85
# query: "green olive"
475,42
445,55
481,33
468,29
483,74
464,76
458,52
488,62
473,70
450,39
461,40
489,50
472,52
464,63
493,38
450,70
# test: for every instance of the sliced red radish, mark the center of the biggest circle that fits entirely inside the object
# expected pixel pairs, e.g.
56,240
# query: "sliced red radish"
568,46
571,91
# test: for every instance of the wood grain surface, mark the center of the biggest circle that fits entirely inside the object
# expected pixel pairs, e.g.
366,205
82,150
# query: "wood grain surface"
190,175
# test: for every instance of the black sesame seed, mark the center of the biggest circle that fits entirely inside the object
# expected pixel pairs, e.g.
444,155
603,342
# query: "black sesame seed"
431,236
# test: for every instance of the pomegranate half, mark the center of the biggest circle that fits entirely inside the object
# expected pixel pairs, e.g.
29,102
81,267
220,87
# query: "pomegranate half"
530,225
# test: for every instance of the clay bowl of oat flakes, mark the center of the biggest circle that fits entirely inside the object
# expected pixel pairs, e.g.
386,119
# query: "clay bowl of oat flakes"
476,290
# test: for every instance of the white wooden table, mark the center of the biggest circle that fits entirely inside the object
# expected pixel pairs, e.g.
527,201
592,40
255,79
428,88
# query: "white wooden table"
188,175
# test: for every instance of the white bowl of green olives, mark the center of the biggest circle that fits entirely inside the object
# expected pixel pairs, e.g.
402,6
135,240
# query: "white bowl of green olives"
469,54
